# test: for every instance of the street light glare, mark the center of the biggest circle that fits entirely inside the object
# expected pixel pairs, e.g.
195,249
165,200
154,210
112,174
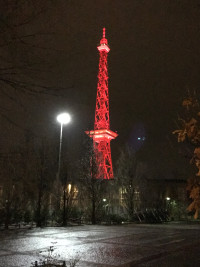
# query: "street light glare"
63,118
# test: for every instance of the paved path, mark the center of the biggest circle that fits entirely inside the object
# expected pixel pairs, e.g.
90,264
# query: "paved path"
131,245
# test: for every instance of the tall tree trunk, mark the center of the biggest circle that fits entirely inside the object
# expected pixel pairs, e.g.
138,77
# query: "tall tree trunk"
7,215
93,210
38,213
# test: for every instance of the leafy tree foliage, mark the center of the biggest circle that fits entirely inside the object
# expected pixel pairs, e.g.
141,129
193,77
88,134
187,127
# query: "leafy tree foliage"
189,132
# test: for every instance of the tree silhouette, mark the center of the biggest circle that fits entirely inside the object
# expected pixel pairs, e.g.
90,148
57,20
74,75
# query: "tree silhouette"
189,132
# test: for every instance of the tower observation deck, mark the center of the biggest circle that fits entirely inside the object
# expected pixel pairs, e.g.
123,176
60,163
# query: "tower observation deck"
102,135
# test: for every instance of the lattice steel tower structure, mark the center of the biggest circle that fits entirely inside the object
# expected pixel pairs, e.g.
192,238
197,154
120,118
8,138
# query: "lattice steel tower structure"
102,135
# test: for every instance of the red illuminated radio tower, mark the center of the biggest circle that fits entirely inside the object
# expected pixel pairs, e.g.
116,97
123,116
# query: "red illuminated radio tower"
102,134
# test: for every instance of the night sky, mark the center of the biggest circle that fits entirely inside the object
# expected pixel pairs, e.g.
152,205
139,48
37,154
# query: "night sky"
153,62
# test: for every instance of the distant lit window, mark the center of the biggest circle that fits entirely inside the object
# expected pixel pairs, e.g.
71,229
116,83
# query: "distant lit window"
69,188
122,192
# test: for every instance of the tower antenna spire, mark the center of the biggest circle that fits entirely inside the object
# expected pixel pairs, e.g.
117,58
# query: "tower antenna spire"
102,135
104,32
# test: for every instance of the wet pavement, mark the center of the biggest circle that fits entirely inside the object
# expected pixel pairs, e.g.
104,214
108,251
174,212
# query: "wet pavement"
130,245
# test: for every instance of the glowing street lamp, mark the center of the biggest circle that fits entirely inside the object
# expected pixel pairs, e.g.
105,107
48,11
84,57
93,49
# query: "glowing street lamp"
63,119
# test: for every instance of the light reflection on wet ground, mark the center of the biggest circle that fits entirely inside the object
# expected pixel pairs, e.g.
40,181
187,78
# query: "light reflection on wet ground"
132,245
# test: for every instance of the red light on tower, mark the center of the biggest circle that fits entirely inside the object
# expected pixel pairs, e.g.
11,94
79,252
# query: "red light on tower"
102,135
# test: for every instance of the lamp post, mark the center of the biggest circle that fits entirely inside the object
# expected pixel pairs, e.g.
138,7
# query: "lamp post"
63,118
